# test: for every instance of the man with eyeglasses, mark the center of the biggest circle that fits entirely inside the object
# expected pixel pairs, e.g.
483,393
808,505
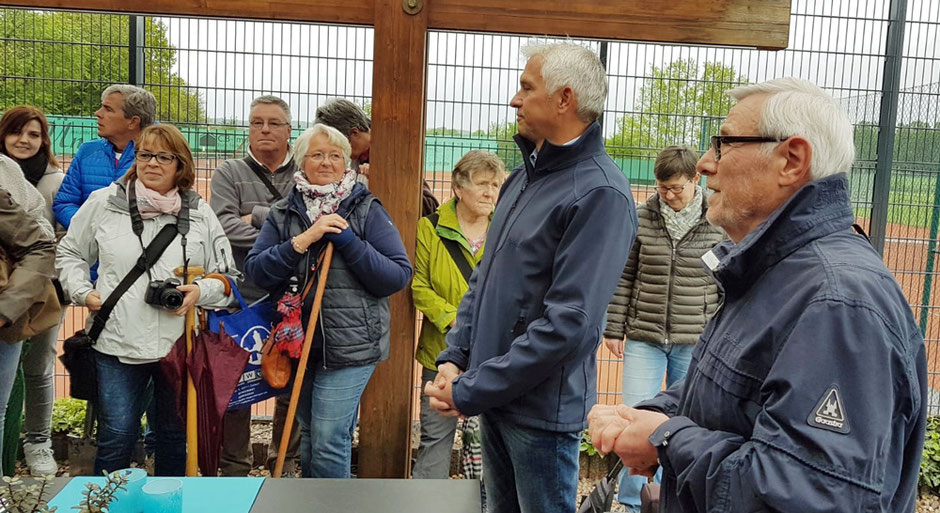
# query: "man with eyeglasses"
808,390
242,192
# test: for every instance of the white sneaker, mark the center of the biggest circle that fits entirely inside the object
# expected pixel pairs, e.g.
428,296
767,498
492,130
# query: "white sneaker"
39,459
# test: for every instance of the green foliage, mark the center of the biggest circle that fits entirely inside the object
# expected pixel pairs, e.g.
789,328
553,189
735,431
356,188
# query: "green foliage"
96,498
18,497
506,148
586,446
930,463
68,416
58,62
679,103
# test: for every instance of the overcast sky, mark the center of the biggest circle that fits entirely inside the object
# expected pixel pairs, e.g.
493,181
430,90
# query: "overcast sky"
836,43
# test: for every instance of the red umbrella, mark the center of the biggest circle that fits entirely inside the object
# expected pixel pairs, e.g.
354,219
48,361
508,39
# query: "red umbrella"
216,365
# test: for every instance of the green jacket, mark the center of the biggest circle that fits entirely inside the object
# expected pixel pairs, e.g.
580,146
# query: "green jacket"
438,286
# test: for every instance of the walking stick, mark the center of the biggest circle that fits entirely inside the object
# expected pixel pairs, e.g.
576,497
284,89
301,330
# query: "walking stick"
192,438
302,365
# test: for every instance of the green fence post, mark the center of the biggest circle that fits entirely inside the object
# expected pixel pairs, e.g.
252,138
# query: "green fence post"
931,255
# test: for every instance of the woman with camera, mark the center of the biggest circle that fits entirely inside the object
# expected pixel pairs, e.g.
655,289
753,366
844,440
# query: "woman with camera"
369,264
113,227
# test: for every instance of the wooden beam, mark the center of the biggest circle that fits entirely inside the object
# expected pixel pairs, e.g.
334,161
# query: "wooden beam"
357,12
760,23
395,176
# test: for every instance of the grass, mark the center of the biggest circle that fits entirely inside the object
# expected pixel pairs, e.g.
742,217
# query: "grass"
911,200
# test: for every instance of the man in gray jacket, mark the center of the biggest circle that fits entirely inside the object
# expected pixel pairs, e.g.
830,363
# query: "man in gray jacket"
242,192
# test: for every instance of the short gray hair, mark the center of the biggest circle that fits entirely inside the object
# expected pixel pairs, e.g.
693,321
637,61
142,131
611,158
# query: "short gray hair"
343,115
271,100
137,102
302,144
473,162
568,64
797,107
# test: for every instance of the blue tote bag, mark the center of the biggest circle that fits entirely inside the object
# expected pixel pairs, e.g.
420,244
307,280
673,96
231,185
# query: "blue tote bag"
249,327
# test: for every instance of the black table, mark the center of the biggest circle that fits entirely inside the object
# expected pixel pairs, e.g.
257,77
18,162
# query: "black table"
368,496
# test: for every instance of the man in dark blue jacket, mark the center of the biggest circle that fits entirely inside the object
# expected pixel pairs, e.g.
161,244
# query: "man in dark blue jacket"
522,353
808,389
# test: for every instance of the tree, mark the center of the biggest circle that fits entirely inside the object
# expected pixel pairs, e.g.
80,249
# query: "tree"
679,103
506,147
61,61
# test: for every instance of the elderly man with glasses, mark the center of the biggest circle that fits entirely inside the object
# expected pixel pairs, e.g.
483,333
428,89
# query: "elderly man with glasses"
243,191
808,390
665,296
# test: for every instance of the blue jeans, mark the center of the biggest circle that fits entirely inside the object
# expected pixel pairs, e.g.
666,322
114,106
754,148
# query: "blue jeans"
644,366
121,389
327,414
528,470
9,362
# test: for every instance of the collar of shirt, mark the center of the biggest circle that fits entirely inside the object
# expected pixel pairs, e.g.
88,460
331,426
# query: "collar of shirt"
535,153
290,155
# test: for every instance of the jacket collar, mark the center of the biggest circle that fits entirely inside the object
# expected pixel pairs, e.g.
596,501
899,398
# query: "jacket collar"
555,158
818,209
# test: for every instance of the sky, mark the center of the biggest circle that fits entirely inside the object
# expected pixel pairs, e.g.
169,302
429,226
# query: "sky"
837,44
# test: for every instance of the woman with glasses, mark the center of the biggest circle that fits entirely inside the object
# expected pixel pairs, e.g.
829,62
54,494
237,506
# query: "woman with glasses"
113,227
369,264
24,137
665,296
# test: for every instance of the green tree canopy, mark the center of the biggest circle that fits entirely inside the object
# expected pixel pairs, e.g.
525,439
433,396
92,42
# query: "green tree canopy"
679,103
61,61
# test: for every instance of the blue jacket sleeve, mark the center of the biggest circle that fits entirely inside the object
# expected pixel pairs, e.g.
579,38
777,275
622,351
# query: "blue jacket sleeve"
458,338
69,197
378,259
271,261
573,307
789,464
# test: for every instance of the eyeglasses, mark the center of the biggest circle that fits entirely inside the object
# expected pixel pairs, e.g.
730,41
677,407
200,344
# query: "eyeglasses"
257,124
718,140
319,156
675,189
163,158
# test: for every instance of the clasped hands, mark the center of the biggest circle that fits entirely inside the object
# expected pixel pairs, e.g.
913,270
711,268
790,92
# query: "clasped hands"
441,392
626,431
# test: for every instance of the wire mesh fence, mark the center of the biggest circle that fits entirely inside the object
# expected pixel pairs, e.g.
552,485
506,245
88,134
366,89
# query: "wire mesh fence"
204,73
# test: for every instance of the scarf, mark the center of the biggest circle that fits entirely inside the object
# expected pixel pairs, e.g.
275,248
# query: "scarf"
324,199
34,167
679,223
152,204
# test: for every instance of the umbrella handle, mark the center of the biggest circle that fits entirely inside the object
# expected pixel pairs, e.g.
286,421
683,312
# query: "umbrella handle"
304,356
225,283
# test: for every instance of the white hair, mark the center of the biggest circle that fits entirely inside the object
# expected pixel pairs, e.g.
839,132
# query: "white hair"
568,64
797,107
302,144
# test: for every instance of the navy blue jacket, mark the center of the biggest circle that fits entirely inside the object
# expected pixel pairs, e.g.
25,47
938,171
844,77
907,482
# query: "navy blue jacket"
807,391
528,328
369,264
91,169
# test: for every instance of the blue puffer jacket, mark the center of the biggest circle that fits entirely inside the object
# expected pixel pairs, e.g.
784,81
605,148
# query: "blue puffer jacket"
528,328
91,169
808,390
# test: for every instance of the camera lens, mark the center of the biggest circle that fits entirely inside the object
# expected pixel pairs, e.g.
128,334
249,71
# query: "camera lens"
172,299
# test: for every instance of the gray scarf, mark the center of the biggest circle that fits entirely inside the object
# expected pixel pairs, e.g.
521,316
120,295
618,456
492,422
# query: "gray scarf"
679,223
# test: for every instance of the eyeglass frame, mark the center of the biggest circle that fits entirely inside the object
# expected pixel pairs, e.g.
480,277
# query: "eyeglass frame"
259,124
323,156
718,140
662,189
142,157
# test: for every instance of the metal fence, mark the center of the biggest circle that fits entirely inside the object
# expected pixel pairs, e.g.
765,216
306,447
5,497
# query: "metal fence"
880,59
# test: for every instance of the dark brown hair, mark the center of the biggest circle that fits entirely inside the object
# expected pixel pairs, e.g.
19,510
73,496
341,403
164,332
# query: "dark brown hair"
172,139
674,161
16,118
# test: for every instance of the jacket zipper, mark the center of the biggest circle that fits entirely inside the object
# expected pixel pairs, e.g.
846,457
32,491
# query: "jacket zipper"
672,268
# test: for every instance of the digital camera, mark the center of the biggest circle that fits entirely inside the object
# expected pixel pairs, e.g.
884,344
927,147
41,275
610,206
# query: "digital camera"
164,294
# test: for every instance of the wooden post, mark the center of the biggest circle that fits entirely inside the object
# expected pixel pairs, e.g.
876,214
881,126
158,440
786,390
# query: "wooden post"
395,176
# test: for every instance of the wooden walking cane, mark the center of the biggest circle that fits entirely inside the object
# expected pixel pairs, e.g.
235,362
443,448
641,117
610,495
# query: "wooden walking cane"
192,437
304,355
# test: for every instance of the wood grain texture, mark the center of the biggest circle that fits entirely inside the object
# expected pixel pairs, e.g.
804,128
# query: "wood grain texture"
395,176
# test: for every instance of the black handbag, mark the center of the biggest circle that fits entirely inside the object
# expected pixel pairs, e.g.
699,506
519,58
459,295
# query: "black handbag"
78,355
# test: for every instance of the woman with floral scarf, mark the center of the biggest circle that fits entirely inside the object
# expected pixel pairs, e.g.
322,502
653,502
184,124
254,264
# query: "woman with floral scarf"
369,264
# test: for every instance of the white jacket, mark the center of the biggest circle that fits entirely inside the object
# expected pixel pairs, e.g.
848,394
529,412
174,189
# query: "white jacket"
101,231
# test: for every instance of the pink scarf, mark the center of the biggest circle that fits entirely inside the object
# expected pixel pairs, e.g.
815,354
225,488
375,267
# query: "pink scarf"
153,204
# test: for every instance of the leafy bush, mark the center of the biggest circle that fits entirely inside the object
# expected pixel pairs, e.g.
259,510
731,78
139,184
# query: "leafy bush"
68,416
930,463
586,446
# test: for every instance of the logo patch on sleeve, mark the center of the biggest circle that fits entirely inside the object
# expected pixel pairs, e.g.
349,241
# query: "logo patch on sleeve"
829,412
